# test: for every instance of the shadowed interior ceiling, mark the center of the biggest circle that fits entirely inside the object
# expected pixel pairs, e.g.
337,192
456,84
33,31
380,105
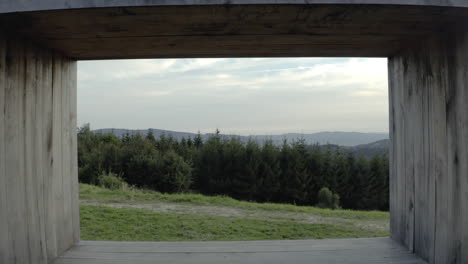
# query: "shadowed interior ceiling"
233,30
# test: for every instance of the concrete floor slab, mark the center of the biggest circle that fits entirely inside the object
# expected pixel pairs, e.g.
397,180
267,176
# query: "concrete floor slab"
348,251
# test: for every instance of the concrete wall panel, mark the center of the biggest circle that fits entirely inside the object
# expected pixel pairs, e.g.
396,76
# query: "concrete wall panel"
429,150
37,153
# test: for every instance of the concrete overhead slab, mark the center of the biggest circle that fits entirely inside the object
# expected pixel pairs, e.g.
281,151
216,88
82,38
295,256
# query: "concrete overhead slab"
8,6
124,29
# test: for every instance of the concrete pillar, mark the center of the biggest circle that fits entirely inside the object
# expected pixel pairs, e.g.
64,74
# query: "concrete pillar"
39,216
429,151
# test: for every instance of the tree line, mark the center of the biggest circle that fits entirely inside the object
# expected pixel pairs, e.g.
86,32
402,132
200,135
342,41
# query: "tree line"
291,173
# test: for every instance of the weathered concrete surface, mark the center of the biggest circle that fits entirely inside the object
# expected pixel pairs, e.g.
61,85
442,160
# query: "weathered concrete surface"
7,6
427,46
39,216
233,30
429,150
330,251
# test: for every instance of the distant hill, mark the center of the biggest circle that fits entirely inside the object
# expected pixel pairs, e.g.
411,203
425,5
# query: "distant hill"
379,147
350,139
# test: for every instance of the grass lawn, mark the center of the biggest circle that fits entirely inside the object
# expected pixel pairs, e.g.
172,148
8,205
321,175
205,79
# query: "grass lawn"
94,193
142,215
123,224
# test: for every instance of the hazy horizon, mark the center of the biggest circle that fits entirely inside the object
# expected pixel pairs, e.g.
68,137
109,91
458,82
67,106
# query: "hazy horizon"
238,96
235,134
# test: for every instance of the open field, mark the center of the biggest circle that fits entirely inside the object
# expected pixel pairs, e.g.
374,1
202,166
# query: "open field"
141,215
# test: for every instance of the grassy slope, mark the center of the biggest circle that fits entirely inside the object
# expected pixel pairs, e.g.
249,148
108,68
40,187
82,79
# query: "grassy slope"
94,193
105,223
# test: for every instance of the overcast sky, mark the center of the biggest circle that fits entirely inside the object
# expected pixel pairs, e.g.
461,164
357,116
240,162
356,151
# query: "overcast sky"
240,96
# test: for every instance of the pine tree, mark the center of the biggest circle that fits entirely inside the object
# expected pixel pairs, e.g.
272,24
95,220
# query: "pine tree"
315,167
349,197
268,177
376,183
210,178
245,169
343,176
284,171
300,179
198,141
150,137
362,194
189,142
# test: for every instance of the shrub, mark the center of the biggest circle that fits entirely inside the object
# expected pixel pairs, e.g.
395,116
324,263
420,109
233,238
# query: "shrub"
326,199
336,201
112,181
176,172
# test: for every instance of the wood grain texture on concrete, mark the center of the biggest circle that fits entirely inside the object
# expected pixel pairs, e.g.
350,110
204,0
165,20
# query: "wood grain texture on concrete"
457,143
5,242
330,251
429,150
427,45
7,6
35,156
193,31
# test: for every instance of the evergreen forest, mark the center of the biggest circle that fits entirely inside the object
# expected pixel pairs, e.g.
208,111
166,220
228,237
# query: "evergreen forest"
293,172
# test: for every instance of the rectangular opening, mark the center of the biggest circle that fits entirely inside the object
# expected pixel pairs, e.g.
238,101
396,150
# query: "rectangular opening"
39,49
233,149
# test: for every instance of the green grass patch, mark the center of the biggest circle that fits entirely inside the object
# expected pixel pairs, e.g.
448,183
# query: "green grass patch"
105,223
94,193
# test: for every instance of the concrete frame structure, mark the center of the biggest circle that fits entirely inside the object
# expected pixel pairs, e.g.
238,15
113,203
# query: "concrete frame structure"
426,42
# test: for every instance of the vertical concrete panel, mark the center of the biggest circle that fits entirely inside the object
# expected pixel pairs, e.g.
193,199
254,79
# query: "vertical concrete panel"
4,239
57,177
75,207
462,84
32,176
429,131
453,170
47,154
458,145
14,173
66,155
39,152
395,128
37,149
462,78
402,134
437,77
410,111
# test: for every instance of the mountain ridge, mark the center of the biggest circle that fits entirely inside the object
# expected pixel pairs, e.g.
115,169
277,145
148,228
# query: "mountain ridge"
341,138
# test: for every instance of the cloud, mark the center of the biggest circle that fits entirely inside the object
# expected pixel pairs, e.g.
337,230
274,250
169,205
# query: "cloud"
251,95
130,69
